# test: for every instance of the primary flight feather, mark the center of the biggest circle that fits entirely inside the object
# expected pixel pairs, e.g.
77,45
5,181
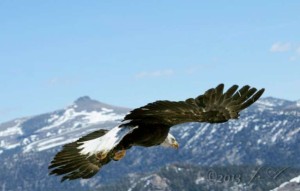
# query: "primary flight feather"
149,126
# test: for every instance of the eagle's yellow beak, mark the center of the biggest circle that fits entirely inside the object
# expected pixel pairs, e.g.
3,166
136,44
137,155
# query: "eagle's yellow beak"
175,145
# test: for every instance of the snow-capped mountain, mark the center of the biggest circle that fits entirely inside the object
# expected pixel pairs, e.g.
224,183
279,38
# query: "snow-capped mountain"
53,129
267,133
292,185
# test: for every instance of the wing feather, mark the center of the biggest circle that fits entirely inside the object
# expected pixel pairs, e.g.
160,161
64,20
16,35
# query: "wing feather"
252,99
70,163
214,106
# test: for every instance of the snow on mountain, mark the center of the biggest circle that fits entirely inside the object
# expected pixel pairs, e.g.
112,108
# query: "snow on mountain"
53,129
292,185
14,130
298,103
271,103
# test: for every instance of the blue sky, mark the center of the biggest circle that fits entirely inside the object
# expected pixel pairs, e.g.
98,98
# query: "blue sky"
129,53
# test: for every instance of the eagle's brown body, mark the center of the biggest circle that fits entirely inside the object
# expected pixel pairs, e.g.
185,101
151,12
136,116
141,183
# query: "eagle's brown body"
145,136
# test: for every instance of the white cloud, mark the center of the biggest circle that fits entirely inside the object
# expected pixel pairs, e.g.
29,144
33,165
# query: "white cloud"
280,47
157,73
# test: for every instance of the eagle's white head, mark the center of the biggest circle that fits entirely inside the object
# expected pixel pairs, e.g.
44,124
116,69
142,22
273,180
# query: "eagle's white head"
170,141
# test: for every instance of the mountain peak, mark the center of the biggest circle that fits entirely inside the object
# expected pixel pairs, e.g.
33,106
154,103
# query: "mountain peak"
83,99
89,104
86,102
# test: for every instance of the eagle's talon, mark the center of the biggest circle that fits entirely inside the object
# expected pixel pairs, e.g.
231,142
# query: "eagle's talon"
119,155
101,156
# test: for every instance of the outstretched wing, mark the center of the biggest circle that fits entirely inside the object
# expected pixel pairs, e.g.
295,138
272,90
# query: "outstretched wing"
84,157
214,106
70,163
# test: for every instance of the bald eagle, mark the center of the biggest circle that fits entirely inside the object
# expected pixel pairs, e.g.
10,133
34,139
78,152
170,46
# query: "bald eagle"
149,126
